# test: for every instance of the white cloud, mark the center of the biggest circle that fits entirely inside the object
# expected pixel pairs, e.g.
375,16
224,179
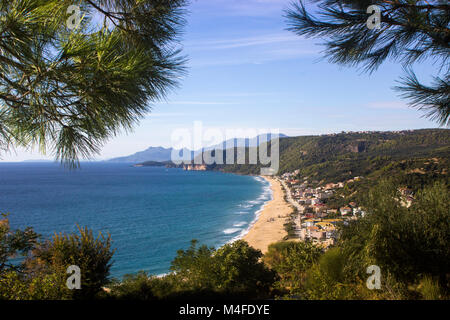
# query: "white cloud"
250,41
258,40
251,49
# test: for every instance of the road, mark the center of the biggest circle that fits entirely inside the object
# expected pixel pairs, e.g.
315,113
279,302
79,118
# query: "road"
294,203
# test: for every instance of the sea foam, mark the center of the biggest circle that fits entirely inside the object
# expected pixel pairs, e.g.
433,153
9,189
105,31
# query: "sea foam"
231,230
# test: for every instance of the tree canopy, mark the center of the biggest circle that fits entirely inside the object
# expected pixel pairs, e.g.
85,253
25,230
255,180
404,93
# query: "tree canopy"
409,32
32,269
235,268
75,73
13,244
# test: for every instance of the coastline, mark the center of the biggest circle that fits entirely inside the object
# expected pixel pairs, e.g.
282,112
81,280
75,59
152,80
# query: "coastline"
268,227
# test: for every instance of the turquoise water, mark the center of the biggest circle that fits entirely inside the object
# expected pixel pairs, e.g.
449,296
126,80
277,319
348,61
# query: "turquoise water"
150,212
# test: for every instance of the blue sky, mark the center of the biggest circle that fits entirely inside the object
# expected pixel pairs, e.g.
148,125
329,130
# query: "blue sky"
246,70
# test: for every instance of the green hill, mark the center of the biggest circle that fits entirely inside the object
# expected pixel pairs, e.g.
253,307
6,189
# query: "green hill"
339,157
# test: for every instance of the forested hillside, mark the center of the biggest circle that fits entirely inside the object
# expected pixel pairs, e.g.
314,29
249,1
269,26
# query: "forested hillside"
343,156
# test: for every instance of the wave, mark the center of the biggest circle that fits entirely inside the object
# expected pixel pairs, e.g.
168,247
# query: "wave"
248,204
240,224
162,275
231,230
259,179
267,195
252,203
264,196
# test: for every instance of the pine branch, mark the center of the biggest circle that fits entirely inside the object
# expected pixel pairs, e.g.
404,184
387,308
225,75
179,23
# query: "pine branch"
409,32
434,99
69,91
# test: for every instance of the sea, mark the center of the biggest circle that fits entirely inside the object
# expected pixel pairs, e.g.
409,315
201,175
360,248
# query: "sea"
150,212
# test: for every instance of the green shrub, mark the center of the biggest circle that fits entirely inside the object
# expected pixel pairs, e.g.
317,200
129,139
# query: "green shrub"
291,260
406,242
142,286
325,280
92,255
233,269
429,289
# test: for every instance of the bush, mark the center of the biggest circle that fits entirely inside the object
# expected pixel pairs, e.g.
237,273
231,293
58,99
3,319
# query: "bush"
142,286
234,269
291,260
239,270
92,255
406,242
325,280
14,244
429,289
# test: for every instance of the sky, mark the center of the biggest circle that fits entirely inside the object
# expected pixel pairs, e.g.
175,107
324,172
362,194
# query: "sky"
245,70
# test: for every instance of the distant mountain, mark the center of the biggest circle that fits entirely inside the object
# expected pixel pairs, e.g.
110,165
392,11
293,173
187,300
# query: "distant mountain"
245,142
161,154
38,160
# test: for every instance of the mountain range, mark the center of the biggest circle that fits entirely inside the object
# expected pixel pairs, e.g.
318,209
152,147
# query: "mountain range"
162,154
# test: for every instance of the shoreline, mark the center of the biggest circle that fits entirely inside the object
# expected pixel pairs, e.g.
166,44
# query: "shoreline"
268,225
256,214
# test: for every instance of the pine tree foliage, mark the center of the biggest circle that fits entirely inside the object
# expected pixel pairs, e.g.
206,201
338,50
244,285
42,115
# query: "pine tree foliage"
411,31
67,90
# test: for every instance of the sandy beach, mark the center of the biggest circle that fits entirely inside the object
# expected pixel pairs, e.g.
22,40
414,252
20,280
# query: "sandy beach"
269,226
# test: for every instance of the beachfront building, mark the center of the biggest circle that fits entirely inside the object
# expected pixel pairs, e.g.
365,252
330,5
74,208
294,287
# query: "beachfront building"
312,223
345,210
